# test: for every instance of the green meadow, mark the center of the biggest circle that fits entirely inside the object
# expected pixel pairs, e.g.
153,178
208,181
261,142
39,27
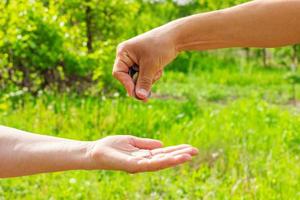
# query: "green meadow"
243,122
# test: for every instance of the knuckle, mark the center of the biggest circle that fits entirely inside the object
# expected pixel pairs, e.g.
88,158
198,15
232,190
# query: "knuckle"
121,48
114,74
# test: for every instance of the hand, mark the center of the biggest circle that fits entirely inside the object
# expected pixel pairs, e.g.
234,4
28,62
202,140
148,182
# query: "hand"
133,154
151,51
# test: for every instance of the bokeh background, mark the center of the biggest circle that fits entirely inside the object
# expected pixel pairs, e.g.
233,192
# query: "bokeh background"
240,106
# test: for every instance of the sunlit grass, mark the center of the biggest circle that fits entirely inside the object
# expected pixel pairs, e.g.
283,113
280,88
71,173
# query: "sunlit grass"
249,143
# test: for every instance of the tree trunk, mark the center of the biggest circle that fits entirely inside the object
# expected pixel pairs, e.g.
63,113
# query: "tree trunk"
295,60
88,22
26,82
264,57
247,52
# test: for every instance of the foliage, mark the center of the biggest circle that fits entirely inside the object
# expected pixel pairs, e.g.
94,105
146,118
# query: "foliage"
70,45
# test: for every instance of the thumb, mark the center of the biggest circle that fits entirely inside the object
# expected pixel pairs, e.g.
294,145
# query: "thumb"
145,80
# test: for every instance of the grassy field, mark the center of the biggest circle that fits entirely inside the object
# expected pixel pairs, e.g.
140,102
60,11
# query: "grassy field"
243,122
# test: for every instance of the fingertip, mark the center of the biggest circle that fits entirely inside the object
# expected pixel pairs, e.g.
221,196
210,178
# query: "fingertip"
192,151
130,92
156,144
183,158
195,151
142,94
162,144
159,143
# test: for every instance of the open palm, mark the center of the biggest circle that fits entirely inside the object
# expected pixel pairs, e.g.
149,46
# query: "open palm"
133,154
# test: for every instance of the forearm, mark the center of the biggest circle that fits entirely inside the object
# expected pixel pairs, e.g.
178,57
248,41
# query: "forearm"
265,23
23,153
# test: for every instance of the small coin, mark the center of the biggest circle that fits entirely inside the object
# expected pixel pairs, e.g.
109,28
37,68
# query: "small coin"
142,153
134,72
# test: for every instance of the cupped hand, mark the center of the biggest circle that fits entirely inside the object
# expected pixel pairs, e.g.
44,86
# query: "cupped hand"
151,51
133,154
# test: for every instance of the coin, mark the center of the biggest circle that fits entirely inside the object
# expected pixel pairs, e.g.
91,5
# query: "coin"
142,154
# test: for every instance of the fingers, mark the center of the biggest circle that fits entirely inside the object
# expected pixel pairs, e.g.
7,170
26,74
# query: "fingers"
162,163
145,143
148,71
189,150
175,152
170,149
145,80
163,158
121,68
120,72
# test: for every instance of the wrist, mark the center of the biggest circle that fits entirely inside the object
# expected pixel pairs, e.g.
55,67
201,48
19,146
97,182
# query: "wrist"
86,156
174,31
75,155
94,157
165,36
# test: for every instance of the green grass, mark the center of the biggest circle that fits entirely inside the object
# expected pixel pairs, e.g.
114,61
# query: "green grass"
247,132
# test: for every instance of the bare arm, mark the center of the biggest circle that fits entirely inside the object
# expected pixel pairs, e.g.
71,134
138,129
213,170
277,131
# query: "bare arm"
23,153
261,23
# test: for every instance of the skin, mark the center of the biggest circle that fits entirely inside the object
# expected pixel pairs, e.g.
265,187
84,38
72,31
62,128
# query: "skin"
33,153
261,23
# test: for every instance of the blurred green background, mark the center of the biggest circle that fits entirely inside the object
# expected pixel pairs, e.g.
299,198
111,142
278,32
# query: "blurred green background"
240,107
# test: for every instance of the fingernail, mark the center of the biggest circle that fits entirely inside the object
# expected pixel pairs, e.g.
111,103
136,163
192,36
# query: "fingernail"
142,93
